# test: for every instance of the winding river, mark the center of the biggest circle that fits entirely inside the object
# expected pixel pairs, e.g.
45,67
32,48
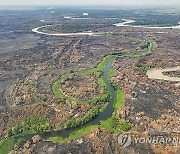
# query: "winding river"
36,30
154,74
107,113
126,23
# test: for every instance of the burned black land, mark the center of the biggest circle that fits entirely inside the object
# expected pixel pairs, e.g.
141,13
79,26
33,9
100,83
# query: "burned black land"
50,82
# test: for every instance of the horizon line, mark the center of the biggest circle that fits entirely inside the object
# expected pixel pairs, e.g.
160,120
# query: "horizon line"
72,5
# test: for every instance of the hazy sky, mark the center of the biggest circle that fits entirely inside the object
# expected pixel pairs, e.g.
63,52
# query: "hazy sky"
89,2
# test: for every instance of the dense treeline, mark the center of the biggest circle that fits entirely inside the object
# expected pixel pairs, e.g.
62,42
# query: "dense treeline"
148,16
72,28
152,19
31,124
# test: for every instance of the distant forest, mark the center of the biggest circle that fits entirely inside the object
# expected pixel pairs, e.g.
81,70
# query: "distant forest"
147,16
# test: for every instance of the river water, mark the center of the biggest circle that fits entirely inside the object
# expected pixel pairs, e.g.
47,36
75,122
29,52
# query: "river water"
107,113
126,23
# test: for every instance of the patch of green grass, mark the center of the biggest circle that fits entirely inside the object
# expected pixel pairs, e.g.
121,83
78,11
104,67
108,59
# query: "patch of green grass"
119,100
115,124
101,81
124,125
6,145
110,125
104,107
21,141
73,135
112,72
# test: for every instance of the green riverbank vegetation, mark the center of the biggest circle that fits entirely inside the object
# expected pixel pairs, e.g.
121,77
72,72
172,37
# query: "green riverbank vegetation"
6,145
113,124
98,68
31,125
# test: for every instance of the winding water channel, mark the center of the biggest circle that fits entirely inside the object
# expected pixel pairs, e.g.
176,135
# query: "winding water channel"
107,113
36,30
126,23
129,22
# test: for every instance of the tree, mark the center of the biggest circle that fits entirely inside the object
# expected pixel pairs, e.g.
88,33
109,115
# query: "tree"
71,71
10,133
